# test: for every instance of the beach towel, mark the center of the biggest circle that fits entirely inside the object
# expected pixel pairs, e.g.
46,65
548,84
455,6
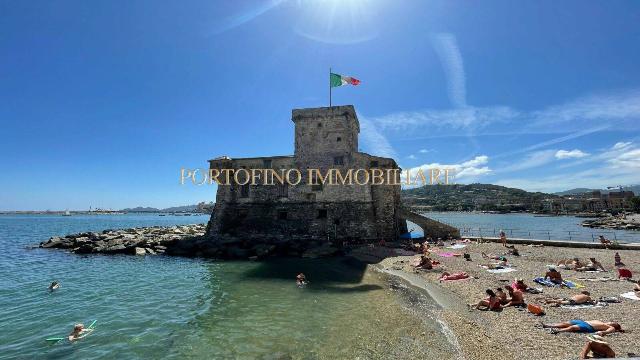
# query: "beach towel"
581,306
572,285
542,281
448,254
631,295
457,246
501,271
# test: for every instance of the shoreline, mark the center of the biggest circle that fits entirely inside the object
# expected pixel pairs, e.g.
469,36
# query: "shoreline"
514,333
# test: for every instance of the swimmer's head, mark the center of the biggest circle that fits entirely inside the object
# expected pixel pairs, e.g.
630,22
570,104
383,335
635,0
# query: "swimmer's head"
78,327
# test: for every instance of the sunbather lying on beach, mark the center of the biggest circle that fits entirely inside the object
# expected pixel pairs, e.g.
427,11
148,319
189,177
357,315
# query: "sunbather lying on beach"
592,265
591,326
490,303
516,298
583,298
455,276
79,331
554,276
570,263
636,287
598,347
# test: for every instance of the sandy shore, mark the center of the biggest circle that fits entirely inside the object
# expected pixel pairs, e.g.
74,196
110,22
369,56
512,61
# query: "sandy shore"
515,333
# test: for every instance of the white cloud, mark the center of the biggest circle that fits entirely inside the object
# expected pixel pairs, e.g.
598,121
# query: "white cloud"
619,164
412,157
424,151
531,160
374,141
450,57
621,145
467,171
571,154
576,117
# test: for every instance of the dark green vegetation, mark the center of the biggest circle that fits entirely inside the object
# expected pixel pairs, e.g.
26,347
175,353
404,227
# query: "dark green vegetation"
484,197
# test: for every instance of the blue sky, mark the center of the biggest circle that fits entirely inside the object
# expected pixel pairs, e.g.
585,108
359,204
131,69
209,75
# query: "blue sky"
102,102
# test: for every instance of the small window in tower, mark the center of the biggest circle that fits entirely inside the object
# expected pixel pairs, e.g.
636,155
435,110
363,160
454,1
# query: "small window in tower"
374,164
266,164
282,215
336,221
322,214
338,160
319,124
338,139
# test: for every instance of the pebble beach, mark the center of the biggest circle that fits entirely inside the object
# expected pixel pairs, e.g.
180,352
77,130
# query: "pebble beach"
513,332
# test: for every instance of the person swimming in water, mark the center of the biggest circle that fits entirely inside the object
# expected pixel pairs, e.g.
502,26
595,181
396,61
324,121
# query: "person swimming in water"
79,331
301,280
54,286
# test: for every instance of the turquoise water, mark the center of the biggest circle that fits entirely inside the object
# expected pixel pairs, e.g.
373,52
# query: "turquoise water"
529,226
177,308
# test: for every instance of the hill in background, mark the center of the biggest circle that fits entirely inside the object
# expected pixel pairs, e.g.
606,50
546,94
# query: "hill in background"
485,197
577,191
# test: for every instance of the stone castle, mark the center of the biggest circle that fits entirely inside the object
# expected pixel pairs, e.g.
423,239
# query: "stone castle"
325,138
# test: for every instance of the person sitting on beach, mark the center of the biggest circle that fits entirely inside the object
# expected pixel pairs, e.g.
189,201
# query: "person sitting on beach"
513,251
617,260
425,263
554,276
490,303
301,279
599,348
519,284
583,298
592,265
79,331
591,326
54,286
604,241
516,298
502,296
636,287
455,276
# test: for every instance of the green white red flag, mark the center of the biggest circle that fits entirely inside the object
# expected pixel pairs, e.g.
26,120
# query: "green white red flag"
336,80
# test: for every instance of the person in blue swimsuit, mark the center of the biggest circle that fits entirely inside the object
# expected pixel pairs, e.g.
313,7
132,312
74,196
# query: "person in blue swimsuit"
591,326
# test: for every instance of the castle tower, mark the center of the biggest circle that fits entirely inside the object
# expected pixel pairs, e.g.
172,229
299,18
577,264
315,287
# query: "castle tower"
328,132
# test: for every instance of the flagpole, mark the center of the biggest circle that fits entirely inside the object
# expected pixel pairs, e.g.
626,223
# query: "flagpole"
329,87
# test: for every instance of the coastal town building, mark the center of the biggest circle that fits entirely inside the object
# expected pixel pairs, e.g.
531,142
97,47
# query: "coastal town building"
593,201
325,138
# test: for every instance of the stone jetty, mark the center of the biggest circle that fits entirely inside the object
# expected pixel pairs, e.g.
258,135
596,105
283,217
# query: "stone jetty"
631,222
183,240
134,241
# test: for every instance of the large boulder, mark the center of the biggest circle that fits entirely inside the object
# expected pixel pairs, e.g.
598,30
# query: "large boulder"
139,251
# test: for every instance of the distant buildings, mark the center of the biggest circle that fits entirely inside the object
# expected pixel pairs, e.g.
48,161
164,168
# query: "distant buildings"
594,201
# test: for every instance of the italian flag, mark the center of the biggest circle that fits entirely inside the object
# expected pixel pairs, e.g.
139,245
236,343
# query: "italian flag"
336,80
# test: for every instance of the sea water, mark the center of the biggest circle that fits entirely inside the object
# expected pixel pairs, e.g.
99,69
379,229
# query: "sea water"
180,308
529,226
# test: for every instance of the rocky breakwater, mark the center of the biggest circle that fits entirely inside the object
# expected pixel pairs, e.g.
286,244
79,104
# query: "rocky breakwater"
631,222
134,241
183,240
